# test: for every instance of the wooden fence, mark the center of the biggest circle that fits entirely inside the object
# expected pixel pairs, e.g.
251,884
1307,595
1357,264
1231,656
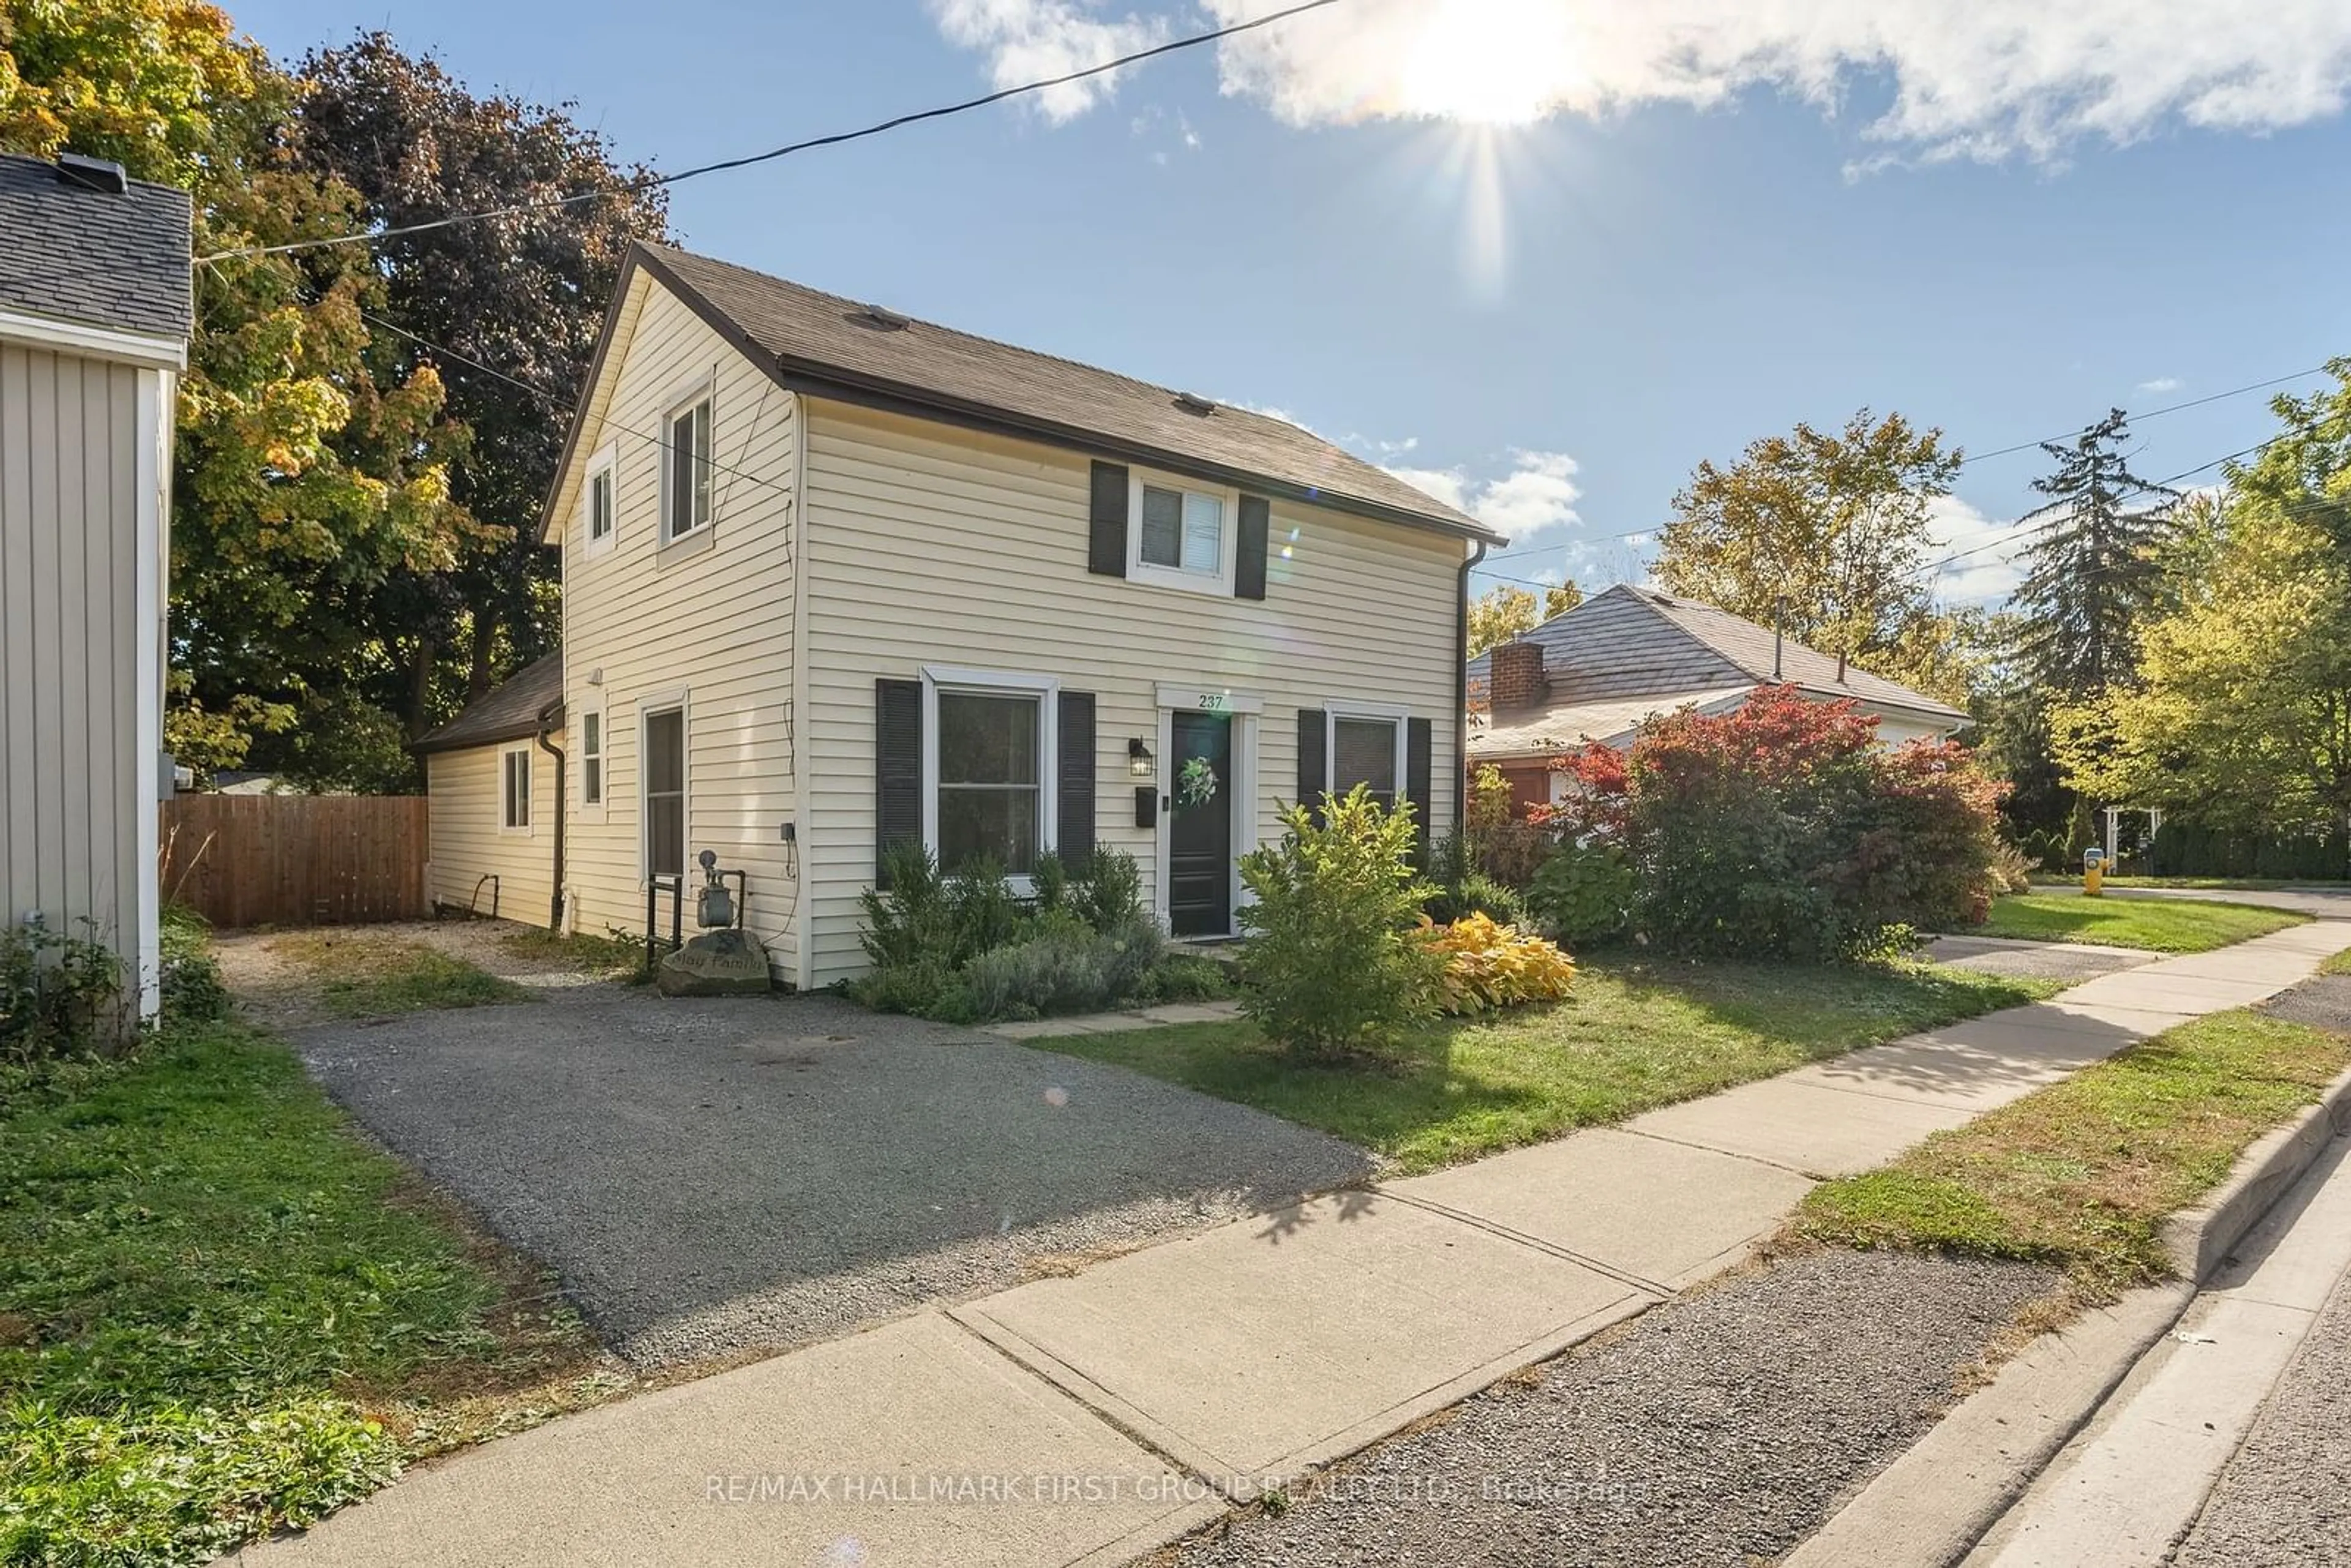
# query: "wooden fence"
298,860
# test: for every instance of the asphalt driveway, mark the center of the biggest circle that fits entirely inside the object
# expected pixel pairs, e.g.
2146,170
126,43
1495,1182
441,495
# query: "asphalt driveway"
710,1178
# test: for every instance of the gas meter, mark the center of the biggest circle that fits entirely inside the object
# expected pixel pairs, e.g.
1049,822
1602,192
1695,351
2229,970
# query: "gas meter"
716,904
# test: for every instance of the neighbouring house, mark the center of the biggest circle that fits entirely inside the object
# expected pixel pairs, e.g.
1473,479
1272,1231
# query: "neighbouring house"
835,579
1594,672
95,313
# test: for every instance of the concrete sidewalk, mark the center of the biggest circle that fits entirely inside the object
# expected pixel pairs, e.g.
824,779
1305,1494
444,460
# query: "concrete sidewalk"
1086,1419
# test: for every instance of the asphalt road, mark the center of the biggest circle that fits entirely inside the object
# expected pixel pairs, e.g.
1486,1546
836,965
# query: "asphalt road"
715,1176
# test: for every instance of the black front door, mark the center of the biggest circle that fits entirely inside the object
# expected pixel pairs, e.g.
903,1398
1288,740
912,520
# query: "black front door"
1200,826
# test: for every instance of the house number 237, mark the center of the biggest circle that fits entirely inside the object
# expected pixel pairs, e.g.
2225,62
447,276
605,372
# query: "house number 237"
1212,702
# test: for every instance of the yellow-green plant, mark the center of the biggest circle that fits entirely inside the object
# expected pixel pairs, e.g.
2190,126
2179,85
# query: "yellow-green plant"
1488,965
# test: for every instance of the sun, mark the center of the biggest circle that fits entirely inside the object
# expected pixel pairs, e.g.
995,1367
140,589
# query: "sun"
1488,62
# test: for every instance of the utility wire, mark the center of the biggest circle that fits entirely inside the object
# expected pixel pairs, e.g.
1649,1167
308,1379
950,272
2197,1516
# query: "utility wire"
2151,413
787,150
557,404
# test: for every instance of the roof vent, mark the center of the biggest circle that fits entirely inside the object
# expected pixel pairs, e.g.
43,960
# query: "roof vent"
93,174
1192,403
874,319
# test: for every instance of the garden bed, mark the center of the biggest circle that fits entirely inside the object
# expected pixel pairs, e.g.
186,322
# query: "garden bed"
1636,1034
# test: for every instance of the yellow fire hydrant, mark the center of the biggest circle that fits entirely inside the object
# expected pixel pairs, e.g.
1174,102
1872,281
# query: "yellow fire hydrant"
2094,878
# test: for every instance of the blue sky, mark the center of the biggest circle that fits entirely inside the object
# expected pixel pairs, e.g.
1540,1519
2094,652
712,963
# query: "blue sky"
1545,254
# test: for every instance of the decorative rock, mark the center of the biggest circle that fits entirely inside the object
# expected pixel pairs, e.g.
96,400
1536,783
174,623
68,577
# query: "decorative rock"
729,963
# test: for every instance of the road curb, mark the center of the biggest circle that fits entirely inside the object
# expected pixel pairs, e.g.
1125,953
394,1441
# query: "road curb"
1933,1505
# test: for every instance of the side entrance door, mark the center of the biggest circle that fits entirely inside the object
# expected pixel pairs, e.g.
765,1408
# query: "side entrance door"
1200,825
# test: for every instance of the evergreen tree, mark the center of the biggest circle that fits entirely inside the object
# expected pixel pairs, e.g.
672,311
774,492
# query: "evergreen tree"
2094,567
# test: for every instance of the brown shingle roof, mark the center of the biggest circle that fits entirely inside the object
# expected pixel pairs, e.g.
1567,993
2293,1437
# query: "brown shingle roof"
1631,643
508,711
821,336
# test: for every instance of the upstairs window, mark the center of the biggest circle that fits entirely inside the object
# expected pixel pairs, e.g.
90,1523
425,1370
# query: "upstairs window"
600,506
685,470
1182,536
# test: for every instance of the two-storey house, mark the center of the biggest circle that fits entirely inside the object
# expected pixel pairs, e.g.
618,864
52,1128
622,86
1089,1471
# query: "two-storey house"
835,579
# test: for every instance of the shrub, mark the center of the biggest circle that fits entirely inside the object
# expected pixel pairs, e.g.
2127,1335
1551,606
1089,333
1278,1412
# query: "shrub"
1133,949
928,989
59,996
1329,962
1502,843
1107,892
1051,881
1186,978
1058,972
909,921
1783,829
983,912
1475,893
1488,964
1583,894
193,990
2011,869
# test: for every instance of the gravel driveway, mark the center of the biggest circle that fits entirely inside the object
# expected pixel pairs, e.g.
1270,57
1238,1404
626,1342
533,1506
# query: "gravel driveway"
717,1176
1722,1429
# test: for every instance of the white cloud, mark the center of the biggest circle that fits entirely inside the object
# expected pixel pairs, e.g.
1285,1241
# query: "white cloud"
2160,384
1029,40
1986,79
1539,492
1990,549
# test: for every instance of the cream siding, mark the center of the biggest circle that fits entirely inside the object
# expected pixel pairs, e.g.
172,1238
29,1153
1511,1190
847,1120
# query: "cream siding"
77,754
469,840
932,545
710,619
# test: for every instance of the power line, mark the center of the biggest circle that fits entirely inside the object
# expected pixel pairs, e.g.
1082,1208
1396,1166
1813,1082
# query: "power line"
787,150
564,408
2151,413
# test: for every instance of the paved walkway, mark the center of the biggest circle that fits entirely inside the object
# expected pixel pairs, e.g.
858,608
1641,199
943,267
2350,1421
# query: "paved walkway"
1086,1419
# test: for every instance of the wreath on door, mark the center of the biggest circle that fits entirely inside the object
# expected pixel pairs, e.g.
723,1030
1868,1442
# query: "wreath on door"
1196,783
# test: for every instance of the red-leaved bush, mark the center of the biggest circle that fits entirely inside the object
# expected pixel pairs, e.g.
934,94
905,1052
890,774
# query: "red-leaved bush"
1783,828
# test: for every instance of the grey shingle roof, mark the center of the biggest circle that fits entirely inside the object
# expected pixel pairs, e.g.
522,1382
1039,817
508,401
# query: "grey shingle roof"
508,711
73,254
805,331
1637,641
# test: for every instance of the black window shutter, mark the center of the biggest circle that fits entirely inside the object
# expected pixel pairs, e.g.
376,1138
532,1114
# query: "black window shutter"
897,770
1313,765
1248,570
1106,542
1416,746
1074,811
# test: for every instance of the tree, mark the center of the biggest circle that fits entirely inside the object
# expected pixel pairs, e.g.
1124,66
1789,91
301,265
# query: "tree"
1824,534
1503,612
2239,717
2093,569
524,295
308,467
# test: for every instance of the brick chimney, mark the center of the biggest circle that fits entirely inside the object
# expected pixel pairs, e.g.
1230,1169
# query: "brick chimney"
1517,676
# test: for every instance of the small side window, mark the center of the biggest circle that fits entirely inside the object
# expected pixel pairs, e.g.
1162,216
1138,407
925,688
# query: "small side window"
599,503
514,801
591,758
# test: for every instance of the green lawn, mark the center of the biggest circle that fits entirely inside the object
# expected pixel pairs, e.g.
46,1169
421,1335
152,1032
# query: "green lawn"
2162,924
362,975
1636,1034
221,1311
2338,964
2081,1173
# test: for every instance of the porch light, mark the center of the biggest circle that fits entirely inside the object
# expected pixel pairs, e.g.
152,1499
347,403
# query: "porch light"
1138,759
